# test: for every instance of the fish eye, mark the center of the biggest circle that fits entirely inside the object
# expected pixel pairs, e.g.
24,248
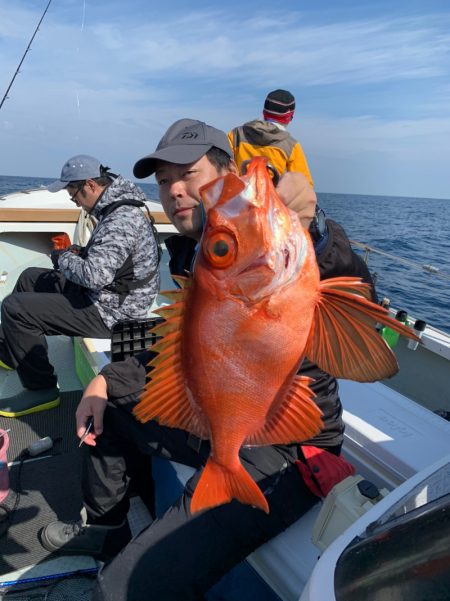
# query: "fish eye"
220,249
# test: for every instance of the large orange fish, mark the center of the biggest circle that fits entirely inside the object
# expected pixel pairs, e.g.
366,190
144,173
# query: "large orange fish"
239,328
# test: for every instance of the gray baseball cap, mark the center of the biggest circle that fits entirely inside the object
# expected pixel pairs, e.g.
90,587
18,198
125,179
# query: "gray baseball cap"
79,167
186,141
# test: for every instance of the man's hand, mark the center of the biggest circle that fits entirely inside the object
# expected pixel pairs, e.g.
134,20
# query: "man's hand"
296,193
54,256
76,249
93,403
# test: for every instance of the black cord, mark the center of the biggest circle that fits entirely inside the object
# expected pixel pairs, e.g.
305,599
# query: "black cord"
49,588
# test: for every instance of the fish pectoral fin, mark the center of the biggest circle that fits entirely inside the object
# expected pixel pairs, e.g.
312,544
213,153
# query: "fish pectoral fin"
218,485
295,419
343,340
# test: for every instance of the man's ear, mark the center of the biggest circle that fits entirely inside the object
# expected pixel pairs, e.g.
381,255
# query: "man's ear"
233,168
91,184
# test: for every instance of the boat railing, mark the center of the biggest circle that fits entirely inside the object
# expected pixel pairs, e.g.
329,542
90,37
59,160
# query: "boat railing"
24,191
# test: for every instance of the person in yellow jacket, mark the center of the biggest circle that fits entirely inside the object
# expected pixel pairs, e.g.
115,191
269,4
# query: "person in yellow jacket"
269,137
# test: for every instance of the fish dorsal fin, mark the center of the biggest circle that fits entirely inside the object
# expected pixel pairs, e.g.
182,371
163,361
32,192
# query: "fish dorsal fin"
172,295
164,398
296,419
343,340
182,281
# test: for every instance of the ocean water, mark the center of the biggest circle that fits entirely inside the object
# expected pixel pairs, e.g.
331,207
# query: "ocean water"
410,231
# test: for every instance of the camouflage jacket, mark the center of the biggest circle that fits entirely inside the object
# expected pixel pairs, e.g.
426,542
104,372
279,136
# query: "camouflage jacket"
124,234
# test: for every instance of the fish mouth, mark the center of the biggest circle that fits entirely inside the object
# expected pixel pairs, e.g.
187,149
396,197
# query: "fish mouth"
249,286
268,273
256,264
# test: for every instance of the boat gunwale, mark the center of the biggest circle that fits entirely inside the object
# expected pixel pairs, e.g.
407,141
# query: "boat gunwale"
41,215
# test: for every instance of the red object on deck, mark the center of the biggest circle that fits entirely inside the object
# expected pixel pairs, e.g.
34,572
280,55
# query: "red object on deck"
61,241
323,470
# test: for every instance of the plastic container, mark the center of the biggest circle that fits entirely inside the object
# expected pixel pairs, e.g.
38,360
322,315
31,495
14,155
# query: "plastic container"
391,336
129,338
419,328
345,503
4,474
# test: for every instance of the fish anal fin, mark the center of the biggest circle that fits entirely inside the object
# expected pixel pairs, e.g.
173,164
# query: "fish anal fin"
343,340
218,485
297,418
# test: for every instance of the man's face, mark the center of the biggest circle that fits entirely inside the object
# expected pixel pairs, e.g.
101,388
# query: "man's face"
84,195
179,192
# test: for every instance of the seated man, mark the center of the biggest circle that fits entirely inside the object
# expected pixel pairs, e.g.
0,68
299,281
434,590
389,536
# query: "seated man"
115,277
180,556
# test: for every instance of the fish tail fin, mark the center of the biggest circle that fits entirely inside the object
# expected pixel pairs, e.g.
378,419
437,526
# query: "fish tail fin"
218,485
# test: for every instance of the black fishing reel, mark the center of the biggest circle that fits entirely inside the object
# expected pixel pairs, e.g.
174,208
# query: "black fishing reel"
318,225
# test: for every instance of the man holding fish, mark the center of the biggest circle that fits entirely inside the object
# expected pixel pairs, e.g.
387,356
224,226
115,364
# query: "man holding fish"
223,394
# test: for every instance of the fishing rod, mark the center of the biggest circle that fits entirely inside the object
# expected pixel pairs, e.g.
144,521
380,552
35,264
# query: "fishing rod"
428,268
24,55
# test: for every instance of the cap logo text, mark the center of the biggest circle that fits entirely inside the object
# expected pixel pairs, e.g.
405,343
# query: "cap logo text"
189,135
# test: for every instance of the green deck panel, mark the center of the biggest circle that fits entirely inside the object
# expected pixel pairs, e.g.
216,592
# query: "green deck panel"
85,367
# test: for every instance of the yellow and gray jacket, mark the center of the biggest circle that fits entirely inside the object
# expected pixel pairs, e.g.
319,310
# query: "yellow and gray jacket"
263,138
118,268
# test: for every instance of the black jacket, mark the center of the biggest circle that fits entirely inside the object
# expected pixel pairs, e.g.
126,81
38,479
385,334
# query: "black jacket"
126,379
336,259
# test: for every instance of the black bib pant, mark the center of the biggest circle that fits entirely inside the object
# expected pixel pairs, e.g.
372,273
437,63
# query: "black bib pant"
180,556
61,307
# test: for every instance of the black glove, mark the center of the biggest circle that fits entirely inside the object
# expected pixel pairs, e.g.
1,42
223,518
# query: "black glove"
76,249
54,256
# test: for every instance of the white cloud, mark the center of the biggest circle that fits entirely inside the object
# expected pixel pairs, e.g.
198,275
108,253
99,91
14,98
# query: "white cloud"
100,80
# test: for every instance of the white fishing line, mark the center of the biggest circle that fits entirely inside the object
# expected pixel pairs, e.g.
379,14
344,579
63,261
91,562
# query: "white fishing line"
84,15
83,19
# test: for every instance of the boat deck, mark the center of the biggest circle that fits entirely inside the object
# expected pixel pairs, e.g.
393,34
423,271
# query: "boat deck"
388,438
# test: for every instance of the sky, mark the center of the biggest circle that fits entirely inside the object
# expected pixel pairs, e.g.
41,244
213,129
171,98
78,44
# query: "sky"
106,78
